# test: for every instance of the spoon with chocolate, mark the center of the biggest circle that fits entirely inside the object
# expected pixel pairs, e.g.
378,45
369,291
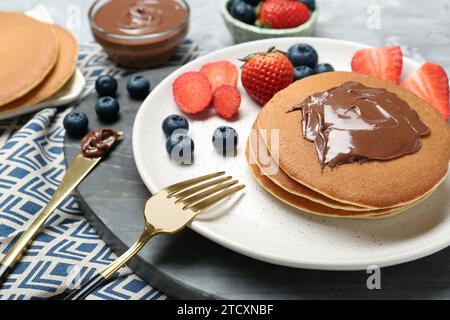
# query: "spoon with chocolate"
94,146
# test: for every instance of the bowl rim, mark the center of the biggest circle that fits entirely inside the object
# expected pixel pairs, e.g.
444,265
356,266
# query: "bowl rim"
179,26
266,31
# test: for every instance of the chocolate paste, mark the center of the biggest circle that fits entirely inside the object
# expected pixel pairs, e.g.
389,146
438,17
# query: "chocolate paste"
140,33
98,142
140,17
355,123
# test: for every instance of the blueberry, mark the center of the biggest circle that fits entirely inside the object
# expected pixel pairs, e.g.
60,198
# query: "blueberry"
107,108
174,122
180,148
323,67
303,55
106,86
243,12
76,123
301,72
252,2
230,4
311,4
225,140
138,87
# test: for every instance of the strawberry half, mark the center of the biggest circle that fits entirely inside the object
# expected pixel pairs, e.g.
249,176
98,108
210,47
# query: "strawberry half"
192,92
430,82
226,101
385,63
220,73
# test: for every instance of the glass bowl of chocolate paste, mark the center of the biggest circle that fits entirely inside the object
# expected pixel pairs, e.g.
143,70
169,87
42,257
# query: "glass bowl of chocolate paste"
139,33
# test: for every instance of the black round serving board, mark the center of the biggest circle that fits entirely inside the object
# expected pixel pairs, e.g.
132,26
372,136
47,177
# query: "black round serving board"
189,266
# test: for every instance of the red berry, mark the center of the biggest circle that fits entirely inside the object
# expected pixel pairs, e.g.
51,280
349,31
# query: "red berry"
264,74
192,92
430,82
385,63
220,73
226,101
283,14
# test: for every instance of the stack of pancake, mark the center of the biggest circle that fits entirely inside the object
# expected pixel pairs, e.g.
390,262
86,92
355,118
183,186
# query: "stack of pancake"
291,171
36,60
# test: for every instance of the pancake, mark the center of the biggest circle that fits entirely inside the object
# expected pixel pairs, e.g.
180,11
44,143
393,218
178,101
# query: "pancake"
306,205
373,184
28,51
285,182
58,76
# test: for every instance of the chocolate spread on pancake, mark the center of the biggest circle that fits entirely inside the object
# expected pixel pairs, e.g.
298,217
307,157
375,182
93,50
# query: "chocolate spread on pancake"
355,123
98,142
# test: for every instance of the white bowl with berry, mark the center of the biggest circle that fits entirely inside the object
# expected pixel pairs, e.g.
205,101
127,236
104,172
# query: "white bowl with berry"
249,20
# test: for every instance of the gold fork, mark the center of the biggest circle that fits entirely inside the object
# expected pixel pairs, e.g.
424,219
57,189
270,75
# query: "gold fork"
167,212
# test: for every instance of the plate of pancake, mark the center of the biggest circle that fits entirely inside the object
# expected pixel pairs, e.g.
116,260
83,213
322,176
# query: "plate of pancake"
38,67
294,211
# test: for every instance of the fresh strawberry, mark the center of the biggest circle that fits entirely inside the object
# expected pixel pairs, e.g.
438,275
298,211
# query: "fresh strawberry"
220,73
192,92
264,74
226,101
283,14
385,63
430,82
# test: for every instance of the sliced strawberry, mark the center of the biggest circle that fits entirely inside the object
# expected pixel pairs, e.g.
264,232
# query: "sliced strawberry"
430,82
192,92
220,73
227,101
385,63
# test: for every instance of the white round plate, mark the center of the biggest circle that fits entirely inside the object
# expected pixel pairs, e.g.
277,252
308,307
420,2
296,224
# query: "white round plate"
258,225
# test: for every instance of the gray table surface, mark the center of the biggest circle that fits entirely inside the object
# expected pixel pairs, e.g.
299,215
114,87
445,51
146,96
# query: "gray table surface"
421,27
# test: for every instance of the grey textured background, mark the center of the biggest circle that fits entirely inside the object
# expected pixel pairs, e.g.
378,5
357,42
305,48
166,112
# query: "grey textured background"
422,27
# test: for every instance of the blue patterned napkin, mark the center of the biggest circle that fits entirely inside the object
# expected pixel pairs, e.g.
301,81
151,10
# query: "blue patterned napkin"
68,250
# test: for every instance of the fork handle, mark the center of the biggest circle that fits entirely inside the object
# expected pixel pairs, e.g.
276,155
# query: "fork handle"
103,277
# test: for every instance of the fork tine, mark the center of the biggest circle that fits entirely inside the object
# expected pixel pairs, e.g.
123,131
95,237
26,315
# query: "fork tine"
202,195
208,202
188,192
187,183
